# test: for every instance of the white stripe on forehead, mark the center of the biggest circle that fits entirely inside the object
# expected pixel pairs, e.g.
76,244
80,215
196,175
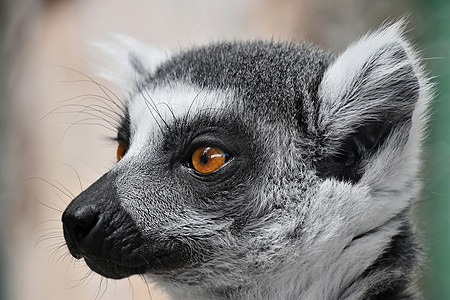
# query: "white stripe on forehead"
149,109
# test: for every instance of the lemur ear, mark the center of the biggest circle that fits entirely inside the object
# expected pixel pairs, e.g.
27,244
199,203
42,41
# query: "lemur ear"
368,92
125,62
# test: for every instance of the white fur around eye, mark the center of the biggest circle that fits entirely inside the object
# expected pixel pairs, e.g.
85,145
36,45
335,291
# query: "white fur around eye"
151,109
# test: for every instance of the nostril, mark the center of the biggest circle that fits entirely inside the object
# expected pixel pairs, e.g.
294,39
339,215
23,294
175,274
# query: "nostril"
79,223
82,229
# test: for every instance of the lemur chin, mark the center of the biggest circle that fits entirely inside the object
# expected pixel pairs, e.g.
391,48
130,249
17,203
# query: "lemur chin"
261,170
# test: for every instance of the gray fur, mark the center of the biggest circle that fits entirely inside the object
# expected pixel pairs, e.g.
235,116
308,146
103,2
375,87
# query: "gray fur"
317,199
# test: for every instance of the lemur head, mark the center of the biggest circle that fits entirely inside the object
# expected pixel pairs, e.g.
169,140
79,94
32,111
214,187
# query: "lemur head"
257,163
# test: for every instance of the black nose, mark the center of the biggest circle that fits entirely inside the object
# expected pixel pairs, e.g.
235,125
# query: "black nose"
87,219
79,223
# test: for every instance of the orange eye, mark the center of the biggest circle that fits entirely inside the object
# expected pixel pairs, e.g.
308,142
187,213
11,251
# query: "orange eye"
208,159
121,149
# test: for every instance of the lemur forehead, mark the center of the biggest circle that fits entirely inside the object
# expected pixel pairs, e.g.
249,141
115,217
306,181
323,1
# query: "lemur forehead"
151,109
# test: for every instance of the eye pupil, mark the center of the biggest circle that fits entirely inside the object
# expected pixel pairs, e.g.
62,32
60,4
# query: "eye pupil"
208,159
204,158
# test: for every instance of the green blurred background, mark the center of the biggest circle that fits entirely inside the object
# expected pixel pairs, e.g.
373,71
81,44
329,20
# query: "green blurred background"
434,37
36,33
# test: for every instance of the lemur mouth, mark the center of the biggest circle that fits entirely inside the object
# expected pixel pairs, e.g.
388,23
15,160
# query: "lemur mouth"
113,270
156,263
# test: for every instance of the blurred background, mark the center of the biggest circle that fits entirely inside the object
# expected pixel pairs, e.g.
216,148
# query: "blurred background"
52,147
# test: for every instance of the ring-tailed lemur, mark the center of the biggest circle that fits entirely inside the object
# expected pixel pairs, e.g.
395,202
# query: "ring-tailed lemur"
262,170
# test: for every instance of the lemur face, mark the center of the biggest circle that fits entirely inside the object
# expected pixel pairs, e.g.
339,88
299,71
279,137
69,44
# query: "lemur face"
238,160
205,171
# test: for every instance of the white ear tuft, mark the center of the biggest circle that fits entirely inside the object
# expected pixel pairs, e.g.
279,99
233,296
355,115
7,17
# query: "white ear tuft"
372,89
125,62
339,77
378,73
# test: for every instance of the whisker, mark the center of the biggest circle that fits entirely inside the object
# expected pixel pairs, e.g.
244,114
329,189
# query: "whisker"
51,184
56,209
57,248
66,256
78,176
47,229
106,107
91,109
46,221
47,237
155,106
105,289
96,97
99,289
101,110
92,113
85,280
131,287
55,192
193,100
150,108
99,85
63,187
82,122
169,108
148,287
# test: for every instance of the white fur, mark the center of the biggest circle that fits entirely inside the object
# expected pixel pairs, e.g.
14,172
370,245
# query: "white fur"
111,61
150,109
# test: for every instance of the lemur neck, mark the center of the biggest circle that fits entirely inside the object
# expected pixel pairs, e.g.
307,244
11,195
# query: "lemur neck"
389,277
392,275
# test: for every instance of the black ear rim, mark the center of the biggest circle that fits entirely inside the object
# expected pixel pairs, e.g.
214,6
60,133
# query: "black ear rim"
346,164
367,140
